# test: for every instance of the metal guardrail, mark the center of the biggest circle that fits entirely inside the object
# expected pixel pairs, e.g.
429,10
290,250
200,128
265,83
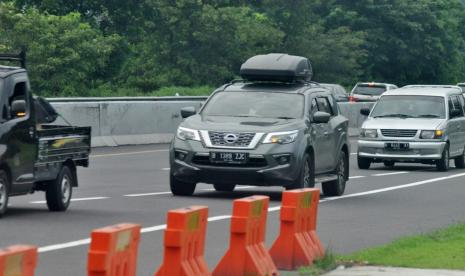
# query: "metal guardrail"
128,99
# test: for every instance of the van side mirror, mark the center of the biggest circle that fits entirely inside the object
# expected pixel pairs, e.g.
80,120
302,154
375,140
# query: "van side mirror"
187,111
365,111
454,113
18,108
321,117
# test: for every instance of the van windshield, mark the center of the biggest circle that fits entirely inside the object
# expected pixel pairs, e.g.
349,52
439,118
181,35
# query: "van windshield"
256,104
410,107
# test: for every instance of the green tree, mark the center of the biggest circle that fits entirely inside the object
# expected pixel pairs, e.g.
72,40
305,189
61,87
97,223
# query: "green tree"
66,56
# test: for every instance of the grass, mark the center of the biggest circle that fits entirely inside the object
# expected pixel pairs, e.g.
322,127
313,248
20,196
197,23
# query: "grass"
441,249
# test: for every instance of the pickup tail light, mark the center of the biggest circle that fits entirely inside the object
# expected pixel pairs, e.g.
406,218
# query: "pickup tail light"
352,99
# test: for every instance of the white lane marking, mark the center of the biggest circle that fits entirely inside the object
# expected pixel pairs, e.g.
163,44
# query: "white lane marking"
391,173
165,169
356,176
353,153
128,153
73,199
148,194
271,209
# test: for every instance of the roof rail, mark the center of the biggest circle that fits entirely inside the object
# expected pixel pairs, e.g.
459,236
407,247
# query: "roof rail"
21,57
294,82
431,86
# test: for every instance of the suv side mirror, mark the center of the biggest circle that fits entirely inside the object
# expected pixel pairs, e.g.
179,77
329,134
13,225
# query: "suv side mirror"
454,113
18,108
187,111
365,111
321,117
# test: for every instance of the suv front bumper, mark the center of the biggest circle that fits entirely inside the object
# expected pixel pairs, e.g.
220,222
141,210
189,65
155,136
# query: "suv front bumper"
263,168
375,149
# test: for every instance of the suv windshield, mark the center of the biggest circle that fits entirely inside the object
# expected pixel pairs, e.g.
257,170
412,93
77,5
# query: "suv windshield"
463,88
410,107
368,89
255,104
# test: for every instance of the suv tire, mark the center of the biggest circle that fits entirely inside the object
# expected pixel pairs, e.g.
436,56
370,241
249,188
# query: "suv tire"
389,163
363,163
181,188
337,187
4,186
460,161
307,174
60,191
224,187
443,164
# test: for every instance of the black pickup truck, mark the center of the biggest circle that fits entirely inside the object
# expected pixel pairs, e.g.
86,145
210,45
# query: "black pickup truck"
36,155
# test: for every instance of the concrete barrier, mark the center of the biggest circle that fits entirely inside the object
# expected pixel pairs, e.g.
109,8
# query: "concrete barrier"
147,120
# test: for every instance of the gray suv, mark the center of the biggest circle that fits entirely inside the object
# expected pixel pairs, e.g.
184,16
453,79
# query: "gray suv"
273,128
416,123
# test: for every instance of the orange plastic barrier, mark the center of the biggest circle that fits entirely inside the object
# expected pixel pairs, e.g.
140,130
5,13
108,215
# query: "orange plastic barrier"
18,260
247,254
113,250
185,243
298,244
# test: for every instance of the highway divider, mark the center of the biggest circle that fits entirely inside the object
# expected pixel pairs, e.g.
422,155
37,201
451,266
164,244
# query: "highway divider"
148,120
113,250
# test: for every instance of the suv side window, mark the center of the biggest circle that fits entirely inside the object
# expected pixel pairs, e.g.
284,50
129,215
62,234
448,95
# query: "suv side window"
457,105
462,102
19,93
324,105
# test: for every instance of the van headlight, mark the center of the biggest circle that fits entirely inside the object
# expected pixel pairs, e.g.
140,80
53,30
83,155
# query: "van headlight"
431,134
184,133
281,137
369,133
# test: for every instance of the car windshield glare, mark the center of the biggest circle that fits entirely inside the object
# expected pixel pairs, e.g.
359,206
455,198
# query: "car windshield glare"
255,104
373,90
426,107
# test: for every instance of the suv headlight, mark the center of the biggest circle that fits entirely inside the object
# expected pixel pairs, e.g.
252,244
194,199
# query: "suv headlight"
369,133
184,133
281,137
431,134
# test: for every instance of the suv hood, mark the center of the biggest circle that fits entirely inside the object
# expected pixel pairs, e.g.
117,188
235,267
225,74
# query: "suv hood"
241,124
399,123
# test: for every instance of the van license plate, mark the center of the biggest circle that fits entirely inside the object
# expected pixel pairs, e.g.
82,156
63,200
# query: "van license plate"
397,146
229,157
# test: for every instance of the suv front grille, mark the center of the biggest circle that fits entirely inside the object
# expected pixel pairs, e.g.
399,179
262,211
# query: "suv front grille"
253,162
399,132
243,139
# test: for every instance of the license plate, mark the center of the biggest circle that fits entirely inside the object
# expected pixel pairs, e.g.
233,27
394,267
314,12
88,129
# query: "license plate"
397,146
229,157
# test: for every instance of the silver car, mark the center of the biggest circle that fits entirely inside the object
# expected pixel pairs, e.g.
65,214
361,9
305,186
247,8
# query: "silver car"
369,91
418,124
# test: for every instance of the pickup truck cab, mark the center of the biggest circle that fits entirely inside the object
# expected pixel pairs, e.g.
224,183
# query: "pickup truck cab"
273,128
34,155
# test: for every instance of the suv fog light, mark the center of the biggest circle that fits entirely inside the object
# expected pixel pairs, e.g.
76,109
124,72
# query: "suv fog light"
282,158
180,155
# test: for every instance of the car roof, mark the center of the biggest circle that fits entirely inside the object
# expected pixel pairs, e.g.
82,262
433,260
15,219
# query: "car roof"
241,86
375,83
5,71
425,90
461,84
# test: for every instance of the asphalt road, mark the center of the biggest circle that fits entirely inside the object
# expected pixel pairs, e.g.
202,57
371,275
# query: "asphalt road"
130,184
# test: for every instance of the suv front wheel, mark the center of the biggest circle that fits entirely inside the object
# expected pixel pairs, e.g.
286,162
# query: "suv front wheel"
307,175
363,163
180,187
337,187
443,164
460,161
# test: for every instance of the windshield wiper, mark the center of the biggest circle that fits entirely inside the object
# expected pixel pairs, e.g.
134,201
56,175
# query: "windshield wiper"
394,115
428,116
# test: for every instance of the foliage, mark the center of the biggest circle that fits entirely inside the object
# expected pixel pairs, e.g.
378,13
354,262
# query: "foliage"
112,47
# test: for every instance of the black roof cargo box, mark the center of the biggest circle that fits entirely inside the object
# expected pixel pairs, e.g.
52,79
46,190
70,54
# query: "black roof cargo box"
277,67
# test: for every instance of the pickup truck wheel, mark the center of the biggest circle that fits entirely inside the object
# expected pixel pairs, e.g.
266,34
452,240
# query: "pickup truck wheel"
363,163
443,164
337,187
460,161
224,187
307,175
389,163
180,187
60,190
4,185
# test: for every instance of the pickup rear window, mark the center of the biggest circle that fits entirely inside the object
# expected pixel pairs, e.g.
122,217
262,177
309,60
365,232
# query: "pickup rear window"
368,89
255,104
427,107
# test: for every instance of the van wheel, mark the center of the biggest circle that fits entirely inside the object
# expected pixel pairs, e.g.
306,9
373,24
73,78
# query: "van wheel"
337,187
60,191
363,163
307,175
389,163
224,187
181,188
460,161
4,186
443,164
